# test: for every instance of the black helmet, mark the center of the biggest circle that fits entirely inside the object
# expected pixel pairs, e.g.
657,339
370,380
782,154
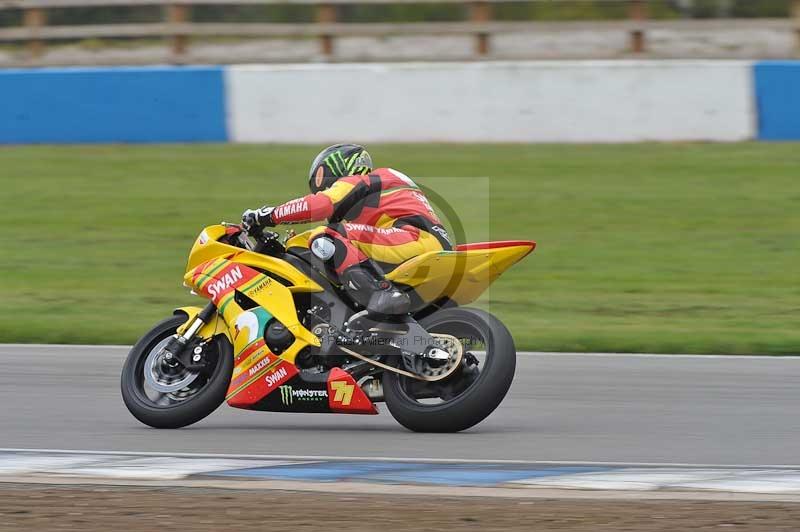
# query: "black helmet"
337,161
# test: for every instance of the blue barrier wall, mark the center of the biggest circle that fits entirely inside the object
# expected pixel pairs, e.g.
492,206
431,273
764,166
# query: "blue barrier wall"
153,104
777,85
188,104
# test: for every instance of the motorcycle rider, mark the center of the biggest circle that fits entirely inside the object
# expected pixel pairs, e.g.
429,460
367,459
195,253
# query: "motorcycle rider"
376,219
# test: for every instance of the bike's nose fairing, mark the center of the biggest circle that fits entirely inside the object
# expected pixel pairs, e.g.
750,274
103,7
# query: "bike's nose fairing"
262,379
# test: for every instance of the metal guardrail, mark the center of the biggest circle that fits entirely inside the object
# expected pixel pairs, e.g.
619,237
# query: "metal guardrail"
177,26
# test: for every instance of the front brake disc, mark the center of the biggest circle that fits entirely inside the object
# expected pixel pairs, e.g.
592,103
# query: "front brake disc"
157,379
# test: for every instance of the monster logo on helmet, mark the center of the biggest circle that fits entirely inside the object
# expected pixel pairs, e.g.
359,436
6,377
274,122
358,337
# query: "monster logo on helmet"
338,161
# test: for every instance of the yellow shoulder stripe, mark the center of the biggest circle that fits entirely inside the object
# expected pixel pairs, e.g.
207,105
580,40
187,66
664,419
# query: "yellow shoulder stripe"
338,191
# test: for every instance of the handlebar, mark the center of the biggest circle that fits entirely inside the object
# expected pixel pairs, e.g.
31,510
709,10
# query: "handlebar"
245,242
265,241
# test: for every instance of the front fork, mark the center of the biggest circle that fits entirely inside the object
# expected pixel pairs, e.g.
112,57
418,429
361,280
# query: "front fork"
176,347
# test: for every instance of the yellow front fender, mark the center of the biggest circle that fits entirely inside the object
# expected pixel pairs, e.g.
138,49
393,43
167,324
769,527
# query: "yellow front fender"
215,327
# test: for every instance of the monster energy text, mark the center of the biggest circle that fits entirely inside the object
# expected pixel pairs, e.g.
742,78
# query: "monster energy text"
289,394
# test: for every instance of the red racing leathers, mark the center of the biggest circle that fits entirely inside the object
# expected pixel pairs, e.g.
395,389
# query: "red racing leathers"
383,216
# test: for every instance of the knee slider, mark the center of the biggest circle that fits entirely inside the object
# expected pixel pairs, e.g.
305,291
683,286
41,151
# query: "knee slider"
323,248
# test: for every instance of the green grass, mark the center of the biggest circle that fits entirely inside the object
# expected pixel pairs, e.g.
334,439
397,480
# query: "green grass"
657,248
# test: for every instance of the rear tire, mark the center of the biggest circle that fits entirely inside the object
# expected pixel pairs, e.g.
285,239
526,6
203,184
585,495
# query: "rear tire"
476,402
187,411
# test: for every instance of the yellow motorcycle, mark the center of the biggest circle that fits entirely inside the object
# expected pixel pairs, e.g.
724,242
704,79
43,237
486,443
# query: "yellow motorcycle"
279,334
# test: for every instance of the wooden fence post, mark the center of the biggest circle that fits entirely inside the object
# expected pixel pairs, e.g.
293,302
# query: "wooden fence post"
638,13
35,18
326,14
481,12
178,14
795,14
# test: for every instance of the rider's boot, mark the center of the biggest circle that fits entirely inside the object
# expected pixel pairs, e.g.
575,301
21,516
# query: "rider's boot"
367,286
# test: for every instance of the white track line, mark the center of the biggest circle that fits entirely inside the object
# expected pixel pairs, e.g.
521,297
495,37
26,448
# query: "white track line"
25,347
377,489
312,458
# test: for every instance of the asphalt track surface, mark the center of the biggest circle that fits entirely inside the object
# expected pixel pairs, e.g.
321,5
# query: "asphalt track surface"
564,407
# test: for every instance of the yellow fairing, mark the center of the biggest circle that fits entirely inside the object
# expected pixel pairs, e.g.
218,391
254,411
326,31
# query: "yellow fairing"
209,330
209,254
300,240
461,275
277,300
299,281
207,247
269,294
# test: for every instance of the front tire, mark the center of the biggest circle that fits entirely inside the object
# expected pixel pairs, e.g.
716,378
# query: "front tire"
473,404
185,406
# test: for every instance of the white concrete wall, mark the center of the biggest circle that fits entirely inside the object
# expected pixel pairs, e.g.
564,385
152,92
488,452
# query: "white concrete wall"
534,101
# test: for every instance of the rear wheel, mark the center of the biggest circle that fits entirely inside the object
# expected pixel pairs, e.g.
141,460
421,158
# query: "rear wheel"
473,391
167,395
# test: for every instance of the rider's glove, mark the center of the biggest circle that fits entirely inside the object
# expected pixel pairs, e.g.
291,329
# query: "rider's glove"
252,218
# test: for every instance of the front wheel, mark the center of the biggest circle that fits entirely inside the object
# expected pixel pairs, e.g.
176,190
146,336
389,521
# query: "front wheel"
167,395
473,391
